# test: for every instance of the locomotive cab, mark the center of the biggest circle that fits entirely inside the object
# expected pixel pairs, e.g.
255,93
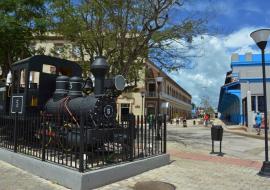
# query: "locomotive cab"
33,82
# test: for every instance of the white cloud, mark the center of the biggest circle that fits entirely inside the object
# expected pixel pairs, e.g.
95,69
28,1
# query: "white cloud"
239,38
209,74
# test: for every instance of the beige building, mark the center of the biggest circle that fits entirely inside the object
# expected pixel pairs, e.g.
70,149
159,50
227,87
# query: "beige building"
174,100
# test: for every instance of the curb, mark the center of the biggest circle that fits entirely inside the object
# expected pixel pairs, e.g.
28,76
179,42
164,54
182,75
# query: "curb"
243,134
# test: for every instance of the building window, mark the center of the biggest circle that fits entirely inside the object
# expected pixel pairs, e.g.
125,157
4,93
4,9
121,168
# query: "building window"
261,103
151,90
58,49
22,80
49,69
76,51
253,103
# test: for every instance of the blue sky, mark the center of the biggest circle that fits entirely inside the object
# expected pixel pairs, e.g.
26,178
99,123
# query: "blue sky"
229,22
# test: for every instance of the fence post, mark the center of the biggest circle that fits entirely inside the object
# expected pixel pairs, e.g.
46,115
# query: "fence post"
132,133
15,140
43,138
81,161
165,135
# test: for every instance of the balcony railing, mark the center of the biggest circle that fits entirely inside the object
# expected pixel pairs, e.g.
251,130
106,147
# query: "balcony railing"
166,96
151,94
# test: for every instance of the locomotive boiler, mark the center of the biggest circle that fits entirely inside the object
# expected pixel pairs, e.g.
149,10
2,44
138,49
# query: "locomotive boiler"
98,108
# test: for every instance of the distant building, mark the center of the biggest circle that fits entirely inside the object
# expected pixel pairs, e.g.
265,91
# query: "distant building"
242,93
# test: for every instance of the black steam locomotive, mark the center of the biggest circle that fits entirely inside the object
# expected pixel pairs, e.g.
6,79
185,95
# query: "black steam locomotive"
42,83
54,87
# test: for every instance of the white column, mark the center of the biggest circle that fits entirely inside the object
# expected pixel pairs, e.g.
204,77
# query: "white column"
256,102
249,111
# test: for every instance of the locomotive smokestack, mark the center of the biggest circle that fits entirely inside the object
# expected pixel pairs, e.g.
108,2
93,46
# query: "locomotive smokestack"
99,68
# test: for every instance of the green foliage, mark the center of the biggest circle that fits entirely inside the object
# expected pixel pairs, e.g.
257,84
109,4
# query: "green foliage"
193,105
20,21
125,31
205,103
210,110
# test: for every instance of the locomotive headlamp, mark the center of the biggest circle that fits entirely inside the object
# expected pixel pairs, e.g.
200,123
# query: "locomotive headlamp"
116,83
119,82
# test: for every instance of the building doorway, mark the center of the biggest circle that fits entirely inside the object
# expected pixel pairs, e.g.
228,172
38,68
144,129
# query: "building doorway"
125,110
151,109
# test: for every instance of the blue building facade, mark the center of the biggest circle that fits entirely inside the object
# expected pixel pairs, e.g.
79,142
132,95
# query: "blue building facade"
241,96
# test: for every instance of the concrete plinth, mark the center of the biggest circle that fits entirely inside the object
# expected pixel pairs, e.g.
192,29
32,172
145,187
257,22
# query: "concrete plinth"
82,181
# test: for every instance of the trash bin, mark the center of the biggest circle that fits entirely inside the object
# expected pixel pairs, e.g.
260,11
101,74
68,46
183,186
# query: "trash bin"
216,133
194,122
184,123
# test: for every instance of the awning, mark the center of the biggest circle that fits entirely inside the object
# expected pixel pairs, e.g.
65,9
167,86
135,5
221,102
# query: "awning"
229,94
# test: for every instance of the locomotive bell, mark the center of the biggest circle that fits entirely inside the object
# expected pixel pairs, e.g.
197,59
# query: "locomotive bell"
99,68
88,85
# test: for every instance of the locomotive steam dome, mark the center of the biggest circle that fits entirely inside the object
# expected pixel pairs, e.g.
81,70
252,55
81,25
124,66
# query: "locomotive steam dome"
75,87
61,87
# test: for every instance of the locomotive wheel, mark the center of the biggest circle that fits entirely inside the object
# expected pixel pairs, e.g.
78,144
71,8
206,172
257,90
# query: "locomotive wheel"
66,129
48,131
55,136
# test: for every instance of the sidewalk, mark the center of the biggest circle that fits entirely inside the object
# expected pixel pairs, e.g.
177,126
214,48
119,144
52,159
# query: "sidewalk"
190,169
240,130
236,129
193,171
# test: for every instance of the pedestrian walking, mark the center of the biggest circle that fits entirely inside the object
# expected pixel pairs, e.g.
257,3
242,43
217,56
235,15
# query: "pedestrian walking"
258,120
206,118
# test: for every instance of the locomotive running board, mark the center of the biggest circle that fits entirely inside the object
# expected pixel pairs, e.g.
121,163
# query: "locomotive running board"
82,181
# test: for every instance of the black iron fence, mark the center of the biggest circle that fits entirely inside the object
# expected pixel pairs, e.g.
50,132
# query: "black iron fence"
75,144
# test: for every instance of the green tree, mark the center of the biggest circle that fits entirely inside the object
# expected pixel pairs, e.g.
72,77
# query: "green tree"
206,105
20,22
193,105
127,32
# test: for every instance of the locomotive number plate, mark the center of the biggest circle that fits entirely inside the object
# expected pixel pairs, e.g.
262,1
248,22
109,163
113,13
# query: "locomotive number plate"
108,111
17,104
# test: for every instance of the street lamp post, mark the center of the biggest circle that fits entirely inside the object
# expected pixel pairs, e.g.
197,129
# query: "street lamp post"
159,80
260,37
142,94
